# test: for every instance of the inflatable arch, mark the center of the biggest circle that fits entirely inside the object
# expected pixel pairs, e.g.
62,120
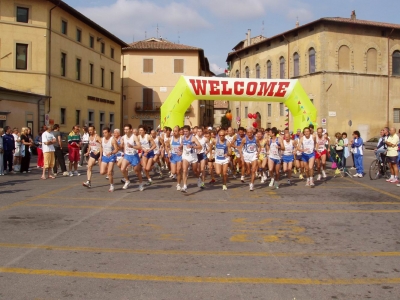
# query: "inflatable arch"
287,91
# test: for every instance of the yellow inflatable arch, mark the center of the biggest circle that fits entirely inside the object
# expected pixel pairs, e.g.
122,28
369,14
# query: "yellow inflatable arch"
287,91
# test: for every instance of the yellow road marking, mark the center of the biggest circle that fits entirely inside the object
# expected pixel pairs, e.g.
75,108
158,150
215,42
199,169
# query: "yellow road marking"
30,199
374,189
377,211
198,253
280,202
194,279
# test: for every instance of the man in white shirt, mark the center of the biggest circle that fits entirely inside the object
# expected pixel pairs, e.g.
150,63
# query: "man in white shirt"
48,141
392,155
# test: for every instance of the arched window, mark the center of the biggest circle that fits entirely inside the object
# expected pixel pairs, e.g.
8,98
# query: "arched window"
296,65
396,63
344,58
372,60
311,60
257,71
282,67
237,74
269,69
247,70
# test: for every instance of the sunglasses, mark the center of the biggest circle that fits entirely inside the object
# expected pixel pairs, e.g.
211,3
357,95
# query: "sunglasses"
222,135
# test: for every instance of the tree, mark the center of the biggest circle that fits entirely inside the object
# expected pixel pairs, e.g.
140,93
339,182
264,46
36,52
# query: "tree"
225,123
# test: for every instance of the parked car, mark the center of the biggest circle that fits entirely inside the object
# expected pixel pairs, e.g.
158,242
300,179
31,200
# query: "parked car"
371,143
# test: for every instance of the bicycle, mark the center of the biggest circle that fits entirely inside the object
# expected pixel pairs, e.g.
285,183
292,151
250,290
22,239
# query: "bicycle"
379,169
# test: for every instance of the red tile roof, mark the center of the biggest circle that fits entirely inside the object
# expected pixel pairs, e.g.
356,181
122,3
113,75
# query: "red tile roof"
158,44
362,22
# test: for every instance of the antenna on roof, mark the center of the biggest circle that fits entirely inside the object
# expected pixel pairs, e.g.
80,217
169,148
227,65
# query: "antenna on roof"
179,37
262,29
145,35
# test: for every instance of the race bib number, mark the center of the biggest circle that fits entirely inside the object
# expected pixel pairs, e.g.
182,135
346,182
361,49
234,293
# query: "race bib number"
220,152
130,151
308,150
175,150
263,151
274,152
95,149
321,148
251,148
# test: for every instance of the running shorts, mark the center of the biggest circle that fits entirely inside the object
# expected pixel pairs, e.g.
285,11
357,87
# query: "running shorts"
318,155
287,158
132,159
191,158
109,159
175,158
276,161
222,161
201,156
249,157
306,157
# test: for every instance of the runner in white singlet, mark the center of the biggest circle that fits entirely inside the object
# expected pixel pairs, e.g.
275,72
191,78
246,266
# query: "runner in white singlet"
275,146
202,156
94,152
288,156
109,157
148,146
307,146
249,152
321,153
157,153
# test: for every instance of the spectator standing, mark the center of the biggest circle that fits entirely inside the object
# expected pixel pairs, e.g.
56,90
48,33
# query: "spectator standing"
48,141
38,144
381,147
74,144
17,151
8,149
339,147
1,152
84,144
357,149
391,143
58,152
26,155
346,152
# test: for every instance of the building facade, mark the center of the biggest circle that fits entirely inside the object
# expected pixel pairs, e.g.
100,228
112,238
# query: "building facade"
69,64
349,68
151,68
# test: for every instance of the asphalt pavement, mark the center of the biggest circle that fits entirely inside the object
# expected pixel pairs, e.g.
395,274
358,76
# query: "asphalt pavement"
60,240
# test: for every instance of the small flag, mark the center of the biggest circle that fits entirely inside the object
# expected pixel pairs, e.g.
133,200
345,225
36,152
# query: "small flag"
299,102
304,112
286,124
286,120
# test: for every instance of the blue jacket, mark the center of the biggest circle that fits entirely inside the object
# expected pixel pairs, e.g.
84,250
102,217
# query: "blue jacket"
358,146
8,142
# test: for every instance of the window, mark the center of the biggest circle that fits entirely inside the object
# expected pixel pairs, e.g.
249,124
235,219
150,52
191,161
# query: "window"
237,112
91,42
124,68
62,115
79,35
296,65
247,71
148,124
148,65
311,60
147,99
269,125
78,69
281,109
77,117
64,27
396,63
111,121
269,110
103,47
102,117
257,71
63,64
246,112
372,63
91,73
396,115
102,77
21,57
111,80
112,53
22,14
178,65
269,69
91,118
282,67
344,58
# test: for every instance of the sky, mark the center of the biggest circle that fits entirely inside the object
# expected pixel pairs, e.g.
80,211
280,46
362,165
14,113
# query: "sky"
218,25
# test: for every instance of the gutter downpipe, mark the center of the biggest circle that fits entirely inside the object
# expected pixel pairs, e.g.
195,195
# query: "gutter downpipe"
38,111
388,81
121,115
288,70
240,75
49,58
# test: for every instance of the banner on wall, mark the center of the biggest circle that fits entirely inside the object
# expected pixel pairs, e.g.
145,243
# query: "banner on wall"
287,91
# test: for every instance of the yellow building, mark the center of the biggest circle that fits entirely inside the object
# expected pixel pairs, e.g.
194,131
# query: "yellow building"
151,68
57,64
350,69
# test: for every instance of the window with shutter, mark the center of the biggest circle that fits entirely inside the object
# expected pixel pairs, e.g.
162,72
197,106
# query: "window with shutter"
147,99
147,65
178,65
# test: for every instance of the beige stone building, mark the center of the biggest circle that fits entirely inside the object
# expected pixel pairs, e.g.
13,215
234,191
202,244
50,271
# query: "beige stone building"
57,64
349,68
151,68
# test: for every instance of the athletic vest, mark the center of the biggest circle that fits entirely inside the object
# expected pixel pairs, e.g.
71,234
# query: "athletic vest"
144,142
175,145
94,145
186,143
288,147
107,146
203,143
274,151
308,144
128,150
221,150
321,144
250,146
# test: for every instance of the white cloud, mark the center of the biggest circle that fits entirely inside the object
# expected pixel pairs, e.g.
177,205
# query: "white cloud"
216,69
128,18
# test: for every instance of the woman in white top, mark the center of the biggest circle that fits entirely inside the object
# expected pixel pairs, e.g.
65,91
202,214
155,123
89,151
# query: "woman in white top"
1,152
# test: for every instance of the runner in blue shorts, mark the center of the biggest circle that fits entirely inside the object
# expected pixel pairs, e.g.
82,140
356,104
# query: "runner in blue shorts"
288,156
148,146
174,148
109,158
307,147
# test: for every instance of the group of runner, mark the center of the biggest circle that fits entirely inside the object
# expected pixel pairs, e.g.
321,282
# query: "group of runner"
247,152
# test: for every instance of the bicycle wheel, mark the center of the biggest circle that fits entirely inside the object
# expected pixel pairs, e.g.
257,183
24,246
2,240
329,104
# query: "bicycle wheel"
386,170
374,170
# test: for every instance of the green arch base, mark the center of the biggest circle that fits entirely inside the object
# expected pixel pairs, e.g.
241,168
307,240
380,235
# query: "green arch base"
188,88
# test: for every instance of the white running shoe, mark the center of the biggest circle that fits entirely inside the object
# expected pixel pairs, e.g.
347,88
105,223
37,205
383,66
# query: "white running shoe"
288,182
199,182
242,179
251,187
184,189
262,180
76,173
271,184
312,183
70,174
126,185
308,182
107,177
111,189
301,176
319,177
276,185
87,184
323,174
178,187
224,188
141,187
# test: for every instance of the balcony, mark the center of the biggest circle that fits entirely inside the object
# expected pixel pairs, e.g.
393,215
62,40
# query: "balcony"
147,107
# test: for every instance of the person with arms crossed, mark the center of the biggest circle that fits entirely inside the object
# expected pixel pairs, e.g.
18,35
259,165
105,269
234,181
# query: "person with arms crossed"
74,145
392,156
48,141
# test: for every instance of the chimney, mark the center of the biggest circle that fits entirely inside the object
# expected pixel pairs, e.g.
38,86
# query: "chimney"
297,24
248,37
353,15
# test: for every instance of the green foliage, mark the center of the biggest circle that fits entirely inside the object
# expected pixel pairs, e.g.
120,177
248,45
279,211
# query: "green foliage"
225,123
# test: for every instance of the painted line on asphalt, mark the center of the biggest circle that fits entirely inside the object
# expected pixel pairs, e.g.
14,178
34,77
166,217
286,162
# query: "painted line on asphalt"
280,202
198,253
214,210
195,279
30,199
375,189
